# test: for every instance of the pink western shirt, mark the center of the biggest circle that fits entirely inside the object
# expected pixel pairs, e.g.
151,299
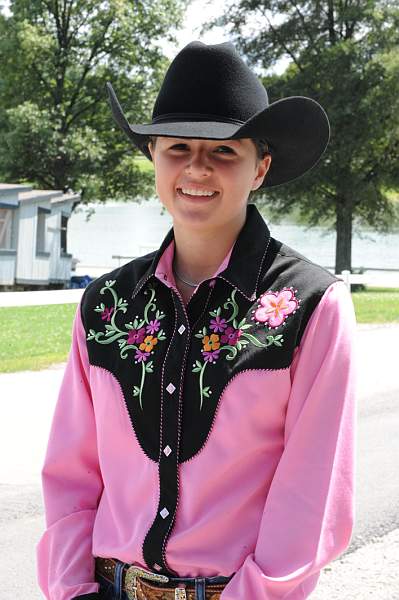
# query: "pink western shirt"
269,495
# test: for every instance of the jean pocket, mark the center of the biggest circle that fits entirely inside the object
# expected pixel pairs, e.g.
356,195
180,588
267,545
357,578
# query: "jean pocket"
106,589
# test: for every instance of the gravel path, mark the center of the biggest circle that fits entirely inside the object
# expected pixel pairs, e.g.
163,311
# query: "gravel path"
370,572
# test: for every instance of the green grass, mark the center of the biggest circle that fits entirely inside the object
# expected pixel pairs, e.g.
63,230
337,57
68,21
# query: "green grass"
377,305
34,337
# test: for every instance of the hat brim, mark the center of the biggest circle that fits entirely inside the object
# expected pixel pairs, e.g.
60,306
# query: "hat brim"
296,128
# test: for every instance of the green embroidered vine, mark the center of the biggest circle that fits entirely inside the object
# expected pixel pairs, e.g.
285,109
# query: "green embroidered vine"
137,335
231,338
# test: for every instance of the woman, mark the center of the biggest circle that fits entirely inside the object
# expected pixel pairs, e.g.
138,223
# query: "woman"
203,440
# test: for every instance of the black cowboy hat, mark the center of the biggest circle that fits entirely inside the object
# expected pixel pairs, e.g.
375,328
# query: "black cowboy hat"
209,92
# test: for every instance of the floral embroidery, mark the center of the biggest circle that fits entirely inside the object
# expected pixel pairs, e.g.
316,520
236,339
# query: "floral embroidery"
233,339
210,356
211,342
148,343
107,313
218,324
275,307
142,356
231,336
139,333
153,326
136,336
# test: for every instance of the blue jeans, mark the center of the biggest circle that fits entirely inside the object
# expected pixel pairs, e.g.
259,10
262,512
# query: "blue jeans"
113,591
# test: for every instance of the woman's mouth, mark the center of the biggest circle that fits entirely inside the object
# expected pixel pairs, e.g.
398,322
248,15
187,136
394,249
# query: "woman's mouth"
197,195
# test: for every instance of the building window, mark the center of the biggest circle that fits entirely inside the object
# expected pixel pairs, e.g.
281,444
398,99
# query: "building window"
41,241
64,225
5,228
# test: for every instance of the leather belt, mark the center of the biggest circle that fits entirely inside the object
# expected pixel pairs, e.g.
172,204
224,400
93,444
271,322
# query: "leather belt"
140,584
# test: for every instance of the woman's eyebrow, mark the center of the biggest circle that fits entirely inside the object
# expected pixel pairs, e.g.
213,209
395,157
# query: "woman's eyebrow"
237,141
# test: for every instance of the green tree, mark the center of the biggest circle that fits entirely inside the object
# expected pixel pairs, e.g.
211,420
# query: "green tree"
56,127
345,55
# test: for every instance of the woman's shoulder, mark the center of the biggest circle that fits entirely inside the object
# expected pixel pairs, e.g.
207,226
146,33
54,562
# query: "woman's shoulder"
124,278
294,278
289,263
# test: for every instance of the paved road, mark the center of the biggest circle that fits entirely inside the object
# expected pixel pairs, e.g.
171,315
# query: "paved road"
369,567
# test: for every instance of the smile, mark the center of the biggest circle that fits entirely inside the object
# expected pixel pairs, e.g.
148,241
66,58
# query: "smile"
192,193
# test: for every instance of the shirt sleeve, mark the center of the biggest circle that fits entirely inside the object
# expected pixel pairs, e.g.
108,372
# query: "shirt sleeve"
71,484
309,512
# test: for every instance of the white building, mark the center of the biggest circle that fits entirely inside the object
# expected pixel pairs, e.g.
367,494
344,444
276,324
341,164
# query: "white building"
33,236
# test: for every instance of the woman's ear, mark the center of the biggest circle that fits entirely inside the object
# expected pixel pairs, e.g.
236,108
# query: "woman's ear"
262,168
150,148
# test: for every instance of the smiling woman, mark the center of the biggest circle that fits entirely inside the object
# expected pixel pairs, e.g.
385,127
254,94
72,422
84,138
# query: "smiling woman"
203,441
204,185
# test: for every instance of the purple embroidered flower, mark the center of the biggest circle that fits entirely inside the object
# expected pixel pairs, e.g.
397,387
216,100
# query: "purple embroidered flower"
210,356
153,326
136,336
107,313
231,336
218,324
141,356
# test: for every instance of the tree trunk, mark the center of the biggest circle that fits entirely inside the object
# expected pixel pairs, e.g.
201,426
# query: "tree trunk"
343,247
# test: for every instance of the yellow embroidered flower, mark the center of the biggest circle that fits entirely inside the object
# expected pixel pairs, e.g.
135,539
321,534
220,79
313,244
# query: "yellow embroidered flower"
211,342
149,343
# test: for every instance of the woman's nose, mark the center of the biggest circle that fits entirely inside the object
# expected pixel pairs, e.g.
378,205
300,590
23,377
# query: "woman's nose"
198,164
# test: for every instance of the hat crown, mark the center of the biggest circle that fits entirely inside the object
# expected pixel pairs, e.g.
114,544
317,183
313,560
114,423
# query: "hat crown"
209,80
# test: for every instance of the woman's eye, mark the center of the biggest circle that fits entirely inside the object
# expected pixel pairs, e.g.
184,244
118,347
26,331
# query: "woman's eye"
226,148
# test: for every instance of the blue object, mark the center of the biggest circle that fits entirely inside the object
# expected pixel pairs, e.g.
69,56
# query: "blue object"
80,281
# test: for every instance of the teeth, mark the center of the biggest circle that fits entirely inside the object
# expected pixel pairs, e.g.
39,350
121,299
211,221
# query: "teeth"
197,192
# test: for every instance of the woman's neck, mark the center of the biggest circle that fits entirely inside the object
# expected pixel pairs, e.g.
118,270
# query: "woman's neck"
199,254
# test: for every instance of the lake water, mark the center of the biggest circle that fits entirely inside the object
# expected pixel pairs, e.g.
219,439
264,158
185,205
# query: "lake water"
132,229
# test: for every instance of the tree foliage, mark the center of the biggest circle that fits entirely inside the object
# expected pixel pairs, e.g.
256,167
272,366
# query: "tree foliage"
345,55
56,127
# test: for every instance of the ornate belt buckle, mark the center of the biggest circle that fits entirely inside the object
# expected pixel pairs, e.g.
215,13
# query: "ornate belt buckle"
180,594
131,579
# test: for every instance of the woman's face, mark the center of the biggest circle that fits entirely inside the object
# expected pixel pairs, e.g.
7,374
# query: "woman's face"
226,169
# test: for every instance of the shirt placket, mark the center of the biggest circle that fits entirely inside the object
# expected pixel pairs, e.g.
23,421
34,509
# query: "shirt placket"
172,385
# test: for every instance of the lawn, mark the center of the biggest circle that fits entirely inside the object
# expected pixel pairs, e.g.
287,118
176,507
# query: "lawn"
34,337
377,305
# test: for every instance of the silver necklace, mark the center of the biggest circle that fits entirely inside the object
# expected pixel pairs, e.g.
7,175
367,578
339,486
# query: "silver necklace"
193,285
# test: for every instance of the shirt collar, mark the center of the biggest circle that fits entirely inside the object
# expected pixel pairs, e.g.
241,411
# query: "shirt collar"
242,266
164,271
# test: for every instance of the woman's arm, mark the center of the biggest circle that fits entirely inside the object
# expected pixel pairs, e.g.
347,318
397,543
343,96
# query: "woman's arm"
72,484
309,512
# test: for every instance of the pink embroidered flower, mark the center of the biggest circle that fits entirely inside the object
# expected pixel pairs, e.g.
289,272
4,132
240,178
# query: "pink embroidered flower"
141,356
153,326
276,306
231,336
107,313
136,336
211,356
218,324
